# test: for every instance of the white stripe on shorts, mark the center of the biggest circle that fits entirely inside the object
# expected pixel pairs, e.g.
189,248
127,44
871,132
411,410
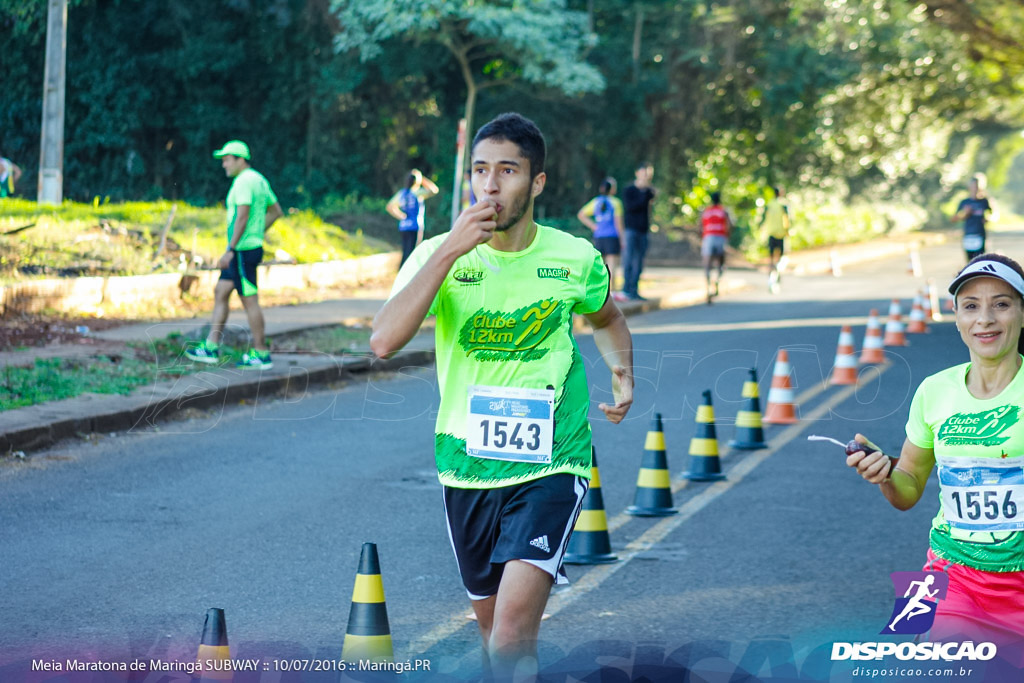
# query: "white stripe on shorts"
551,565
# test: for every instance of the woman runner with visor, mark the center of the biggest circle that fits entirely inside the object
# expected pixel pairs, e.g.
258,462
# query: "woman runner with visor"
966,422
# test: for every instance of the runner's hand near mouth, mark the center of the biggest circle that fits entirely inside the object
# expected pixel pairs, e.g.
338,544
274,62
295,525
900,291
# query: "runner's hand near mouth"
474,226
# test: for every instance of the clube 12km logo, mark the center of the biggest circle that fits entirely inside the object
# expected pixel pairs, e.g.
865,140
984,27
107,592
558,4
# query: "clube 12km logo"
917,596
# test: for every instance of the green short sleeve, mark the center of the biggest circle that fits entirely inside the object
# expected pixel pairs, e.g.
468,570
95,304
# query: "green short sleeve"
595,286
412,265
919,432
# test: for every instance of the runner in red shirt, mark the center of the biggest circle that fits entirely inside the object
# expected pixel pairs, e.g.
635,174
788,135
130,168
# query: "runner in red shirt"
715,225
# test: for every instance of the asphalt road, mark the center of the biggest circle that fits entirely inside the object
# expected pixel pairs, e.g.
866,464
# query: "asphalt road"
113,548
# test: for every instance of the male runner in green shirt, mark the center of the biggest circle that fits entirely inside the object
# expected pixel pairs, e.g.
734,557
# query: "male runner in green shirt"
252,208
512,441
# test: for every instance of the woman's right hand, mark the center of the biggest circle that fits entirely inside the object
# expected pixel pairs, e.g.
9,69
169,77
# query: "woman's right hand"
874,467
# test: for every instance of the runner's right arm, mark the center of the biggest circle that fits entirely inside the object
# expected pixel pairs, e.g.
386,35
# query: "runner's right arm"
401,316
585,216
902,480
393,208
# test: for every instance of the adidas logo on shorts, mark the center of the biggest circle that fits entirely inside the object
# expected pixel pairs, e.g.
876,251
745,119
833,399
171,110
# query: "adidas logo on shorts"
542,543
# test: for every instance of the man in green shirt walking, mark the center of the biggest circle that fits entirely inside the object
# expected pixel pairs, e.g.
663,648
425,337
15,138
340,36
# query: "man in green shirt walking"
252,208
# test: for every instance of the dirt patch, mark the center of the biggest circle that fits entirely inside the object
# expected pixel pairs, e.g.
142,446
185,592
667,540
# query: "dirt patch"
32,331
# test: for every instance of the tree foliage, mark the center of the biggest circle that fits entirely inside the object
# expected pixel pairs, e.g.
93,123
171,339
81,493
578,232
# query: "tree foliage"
837,99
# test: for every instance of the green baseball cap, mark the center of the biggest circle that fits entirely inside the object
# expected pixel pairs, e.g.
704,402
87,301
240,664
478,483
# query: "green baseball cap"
235,148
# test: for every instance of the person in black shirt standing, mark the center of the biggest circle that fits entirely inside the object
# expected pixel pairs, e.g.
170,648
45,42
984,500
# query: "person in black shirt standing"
972,212
636,200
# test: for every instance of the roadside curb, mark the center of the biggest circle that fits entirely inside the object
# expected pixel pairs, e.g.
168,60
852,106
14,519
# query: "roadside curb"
41,426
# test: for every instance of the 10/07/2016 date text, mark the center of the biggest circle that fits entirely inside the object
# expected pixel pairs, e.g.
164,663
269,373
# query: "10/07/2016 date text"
343,665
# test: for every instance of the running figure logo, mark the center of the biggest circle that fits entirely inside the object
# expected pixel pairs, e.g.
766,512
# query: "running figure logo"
914,612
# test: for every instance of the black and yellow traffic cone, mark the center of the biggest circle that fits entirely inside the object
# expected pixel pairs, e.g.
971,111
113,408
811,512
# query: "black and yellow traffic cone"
368,636
704,462
213,648
653,484
749,431
590,543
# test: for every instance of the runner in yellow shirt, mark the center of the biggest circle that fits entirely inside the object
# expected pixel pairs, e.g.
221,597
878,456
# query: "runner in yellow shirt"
775,227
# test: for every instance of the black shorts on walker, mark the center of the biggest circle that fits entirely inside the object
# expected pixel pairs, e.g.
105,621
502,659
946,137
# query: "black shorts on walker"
242,271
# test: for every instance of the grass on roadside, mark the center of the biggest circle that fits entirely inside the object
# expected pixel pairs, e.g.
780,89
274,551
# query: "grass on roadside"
122,239
53,379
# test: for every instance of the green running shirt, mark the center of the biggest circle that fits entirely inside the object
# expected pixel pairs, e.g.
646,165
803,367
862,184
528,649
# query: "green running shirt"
504,319
945,417
250,188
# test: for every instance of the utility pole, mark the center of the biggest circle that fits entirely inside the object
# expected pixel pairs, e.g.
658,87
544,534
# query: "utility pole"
51,142
460,166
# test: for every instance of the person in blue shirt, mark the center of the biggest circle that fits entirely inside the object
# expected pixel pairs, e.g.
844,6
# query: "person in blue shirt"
972,212
407,207
603,215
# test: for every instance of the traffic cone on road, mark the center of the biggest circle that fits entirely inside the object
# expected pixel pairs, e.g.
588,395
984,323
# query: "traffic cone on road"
874,349
368,635
894,327
704,462
933,309
749,432
213,648
781,408
590,543
653,496
918,323
914,265
844,371
834,263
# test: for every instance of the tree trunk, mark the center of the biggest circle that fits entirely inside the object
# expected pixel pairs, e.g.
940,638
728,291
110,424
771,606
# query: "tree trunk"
471,91
638,33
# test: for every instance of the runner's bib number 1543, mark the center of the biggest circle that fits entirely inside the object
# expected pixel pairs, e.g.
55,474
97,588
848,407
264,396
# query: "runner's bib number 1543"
508,423
983,494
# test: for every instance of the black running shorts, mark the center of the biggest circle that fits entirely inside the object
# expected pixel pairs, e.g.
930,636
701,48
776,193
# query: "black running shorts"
530,522
242,271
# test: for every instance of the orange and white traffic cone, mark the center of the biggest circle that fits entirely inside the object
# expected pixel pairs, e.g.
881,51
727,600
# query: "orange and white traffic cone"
917,323
894,327
873,351
781,408
834,263
926,305
933,302
844,371
914,265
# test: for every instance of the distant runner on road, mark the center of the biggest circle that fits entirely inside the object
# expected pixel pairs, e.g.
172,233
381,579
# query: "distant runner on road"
715,226
776,226
972,212
966,422
512,439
